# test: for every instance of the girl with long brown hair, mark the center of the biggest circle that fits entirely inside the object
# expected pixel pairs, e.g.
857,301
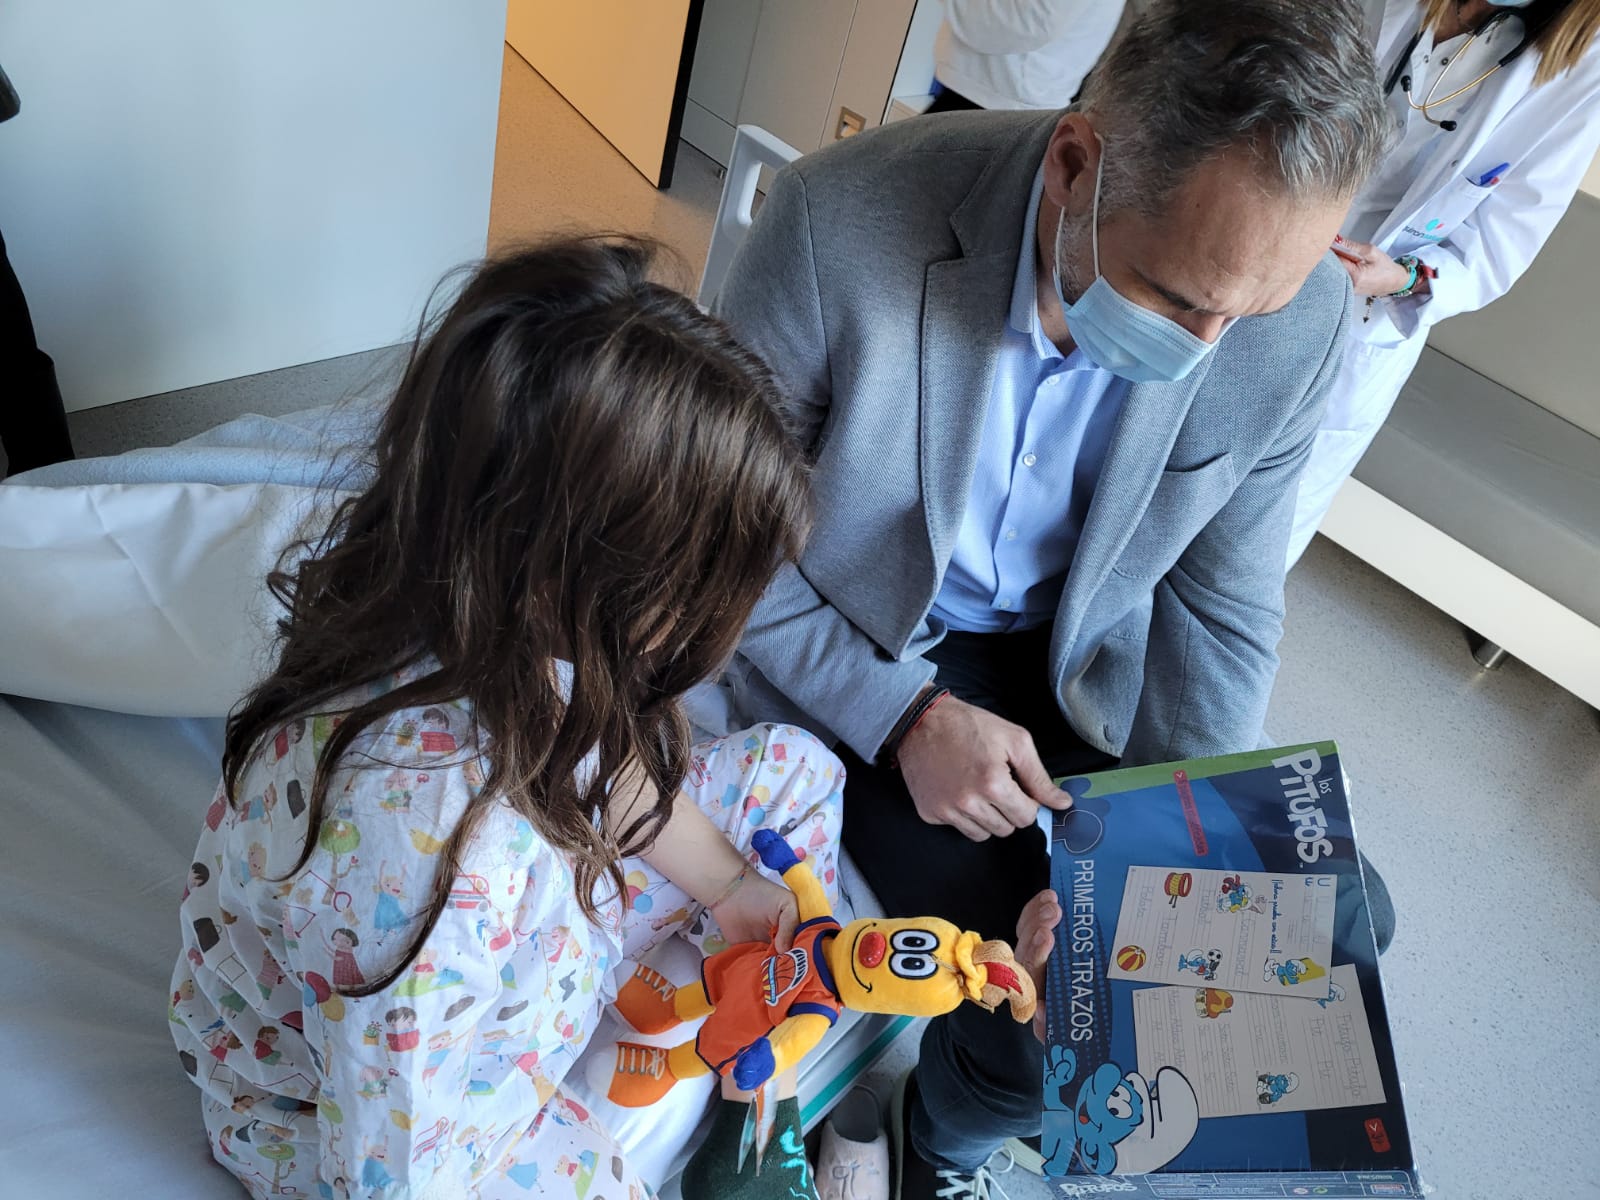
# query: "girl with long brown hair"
466,793
1497,108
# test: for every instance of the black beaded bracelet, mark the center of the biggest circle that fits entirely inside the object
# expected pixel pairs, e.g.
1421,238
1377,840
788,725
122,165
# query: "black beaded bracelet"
890,753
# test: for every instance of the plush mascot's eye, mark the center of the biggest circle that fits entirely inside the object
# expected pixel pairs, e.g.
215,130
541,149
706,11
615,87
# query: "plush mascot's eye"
913,965
914,939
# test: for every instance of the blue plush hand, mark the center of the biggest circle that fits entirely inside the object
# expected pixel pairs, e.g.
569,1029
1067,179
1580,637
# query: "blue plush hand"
776,854
755,1064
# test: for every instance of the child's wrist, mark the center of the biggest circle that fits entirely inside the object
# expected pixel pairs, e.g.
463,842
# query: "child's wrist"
728,889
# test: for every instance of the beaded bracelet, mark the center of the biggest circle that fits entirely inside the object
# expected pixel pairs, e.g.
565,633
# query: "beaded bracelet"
1412,264
733,886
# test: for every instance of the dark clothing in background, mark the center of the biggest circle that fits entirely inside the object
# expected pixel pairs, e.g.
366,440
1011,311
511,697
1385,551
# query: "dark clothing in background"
950,100
33,421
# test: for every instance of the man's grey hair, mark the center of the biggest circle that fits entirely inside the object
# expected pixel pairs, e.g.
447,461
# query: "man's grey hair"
1292,81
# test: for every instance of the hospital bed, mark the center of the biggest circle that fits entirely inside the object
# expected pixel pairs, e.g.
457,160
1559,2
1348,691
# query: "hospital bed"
131,617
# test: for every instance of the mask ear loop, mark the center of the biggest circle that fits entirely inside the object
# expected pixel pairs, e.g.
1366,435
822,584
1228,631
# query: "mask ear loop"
1094,233
1094,228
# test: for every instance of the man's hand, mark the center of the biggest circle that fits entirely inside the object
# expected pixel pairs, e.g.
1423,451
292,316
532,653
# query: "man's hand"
976,772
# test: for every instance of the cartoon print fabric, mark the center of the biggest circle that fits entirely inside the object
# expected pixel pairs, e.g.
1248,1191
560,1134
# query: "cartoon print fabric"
449,1078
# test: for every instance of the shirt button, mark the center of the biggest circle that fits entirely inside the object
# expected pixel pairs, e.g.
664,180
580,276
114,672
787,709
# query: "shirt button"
1029,459
1011,535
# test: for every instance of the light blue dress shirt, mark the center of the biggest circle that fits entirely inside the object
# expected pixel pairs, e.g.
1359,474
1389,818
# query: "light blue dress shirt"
1045,432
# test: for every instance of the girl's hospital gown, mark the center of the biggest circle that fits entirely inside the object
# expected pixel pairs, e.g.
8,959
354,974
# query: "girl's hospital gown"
449,1079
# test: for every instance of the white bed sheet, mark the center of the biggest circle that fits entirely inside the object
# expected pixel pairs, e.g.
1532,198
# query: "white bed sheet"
99,817
99,812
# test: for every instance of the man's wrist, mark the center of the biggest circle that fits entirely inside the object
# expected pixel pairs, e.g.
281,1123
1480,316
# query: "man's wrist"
927,700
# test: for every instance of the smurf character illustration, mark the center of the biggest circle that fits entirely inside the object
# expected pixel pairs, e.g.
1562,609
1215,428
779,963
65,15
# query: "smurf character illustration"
1203,963
1119,1122
1335,994
1272,1088
1291,972
1236,897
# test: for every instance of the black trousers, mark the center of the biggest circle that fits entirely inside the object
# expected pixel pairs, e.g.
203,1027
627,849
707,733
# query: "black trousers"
979,1079
979,1074
33,421
950,101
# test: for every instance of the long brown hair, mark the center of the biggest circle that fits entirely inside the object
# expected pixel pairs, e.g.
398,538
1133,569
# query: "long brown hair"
1561,44
578,464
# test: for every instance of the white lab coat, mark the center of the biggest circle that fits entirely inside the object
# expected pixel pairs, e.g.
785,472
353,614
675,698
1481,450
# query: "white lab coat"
1484,239
1022,53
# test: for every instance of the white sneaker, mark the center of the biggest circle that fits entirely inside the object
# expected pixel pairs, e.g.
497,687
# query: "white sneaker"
853,1160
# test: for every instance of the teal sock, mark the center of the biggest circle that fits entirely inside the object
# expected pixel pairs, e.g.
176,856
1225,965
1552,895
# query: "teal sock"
713,1173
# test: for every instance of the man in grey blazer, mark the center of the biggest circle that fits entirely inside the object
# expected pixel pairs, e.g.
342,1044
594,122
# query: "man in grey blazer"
1059,375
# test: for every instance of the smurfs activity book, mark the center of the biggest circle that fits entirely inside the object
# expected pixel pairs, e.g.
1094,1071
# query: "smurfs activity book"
1216,1025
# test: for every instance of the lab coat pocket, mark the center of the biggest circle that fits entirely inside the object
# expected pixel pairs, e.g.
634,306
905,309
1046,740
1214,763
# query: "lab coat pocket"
1180,507
1441,215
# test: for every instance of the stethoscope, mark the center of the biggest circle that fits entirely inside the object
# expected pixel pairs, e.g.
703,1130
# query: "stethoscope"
1532,25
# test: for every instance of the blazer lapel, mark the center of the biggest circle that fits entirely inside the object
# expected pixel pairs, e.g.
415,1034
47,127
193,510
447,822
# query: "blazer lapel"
965,304
1147,427
964,307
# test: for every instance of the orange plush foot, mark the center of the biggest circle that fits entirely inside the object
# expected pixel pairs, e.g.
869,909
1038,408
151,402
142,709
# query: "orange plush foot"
641,1077
646,1001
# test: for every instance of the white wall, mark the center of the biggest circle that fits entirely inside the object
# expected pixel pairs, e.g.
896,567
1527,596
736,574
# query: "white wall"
915,74
198,190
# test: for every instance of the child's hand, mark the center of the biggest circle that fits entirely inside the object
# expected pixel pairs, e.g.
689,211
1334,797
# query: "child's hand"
755,909
1036,938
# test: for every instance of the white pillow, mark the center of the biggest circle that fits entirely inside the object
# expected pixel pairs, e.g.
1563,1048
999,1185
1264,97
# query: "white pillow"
142,598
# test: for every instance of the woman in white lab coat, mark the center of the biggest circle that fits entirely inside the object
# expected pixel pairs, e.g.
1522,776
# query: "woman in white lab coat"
1499,111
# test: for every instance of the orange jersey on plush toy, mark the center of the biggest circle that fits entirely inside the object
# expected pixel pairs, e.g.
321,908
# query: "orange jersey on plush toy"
754,988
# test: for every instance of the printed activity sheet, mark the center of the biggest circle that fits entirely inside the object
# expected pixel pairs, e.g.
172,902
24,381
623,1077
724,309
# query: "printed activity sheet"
1258,1054
1241,931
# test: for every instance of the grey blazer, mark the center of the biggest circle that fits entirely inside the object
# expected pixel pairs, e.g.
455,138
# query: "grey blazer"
876,281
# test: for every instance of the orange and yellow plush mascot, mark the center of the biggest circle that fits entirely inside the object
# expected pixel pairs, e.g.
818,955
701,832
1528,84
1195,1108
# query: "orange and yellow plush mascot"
765,1010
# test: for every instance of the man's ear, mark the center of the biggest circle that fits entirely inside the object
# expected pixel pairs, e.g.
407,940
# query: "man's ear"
1071,161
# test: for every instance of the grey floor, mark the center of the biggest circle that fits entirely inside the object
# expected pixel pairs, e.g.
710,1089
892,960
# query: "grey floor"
1477,795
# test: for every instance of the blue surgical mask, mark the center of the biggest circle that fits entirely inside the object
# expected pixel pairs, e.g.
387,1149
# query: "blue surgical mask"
1117,335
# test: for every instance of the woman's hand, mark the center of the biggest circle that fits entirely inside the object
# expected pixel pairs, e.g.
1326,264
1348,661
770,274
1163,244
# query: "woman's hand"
757,910
1372,272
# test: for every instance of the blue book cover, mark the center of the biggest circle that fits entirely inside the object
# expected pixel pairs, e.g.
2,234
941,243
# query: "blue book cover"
1213,1006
